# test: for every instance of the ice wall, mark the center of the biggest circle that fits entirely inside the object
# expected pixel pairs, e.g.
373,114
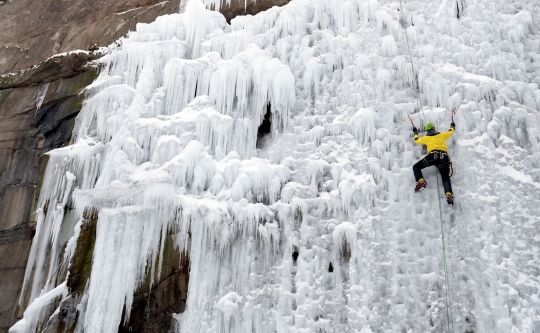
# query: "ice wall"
319,230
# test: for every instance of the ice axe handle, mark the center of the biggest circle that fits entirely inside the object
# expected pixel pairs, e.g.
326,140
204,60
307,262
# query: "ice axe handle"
410,119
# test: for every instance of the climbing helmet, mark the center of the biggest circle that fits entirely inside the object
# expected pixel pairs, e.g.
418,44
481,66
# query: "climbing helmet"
429,126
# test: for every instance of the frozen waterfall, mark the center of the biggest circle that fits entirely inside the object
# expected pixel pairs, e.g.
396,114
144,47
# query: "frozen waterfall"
315,228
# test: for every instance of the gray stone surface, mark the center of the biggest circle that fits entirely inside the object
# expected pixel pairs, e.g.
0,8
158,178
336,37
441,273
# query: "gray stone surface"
12,265
25,135
36,30
241,7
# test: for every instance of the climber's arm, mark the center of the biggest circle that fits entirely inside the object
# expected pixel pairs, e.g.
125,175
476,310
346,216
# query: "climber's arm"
450,131
419,141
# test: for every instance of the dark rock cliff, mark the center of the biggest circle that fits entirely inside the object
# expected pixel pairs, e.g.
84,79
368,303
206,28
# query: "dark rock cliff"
36,30
242,7
26,133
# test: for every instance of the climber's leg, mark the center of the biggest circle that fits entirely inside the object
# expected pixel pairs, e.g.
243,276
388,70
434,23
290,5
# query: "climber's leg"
444,169
425,162
417,170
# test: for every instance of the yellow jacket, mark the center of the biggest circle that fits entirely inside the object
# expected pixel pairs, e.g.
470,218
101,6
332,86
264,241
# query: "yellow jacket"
434,142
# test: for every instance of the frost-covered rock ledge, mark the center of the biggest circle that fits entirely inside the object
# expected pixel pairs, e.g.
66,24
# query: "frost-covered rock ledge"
59,66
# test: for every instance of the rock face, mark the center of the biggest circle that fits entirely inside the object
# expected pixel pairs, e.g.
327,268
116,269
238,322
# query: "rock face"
153,306
242,7
38,107
36,30
26,133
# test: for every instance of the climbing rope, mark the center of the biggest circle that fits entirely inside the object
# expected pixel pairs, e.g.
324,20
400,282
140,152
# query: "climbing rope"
450,317
415,77
448,300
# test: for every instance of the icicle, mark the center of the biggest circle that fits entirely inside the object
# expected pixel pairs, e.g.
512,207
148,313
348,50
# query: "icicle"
316,134
364,124
199,22
125,239
33,313
41,95
388,46
385,21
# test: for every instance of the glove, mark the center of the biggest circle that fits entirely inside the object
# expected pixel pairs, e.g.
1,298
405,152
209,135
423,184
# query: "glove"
453,125
415,130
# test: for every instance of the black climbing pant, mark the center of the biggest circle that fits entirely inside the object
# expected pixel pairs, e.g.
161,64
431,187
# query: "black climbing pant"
441,161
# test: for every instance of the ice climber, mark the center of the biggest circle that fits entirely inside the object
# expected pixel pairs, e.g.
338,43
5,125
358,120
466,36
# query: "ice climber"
437,156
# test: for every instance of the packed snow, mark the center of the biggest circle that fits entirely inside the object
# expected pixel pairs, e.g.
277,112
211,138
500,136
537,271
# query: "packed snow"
315,228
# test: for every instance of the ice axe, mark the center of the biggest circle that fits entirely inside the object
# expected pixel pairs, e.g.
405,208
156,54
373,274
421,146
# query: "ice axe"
410,119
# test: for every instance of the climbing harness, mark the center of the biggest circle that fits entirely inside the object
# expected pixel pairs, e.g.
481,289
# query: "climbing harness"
449,316
439,154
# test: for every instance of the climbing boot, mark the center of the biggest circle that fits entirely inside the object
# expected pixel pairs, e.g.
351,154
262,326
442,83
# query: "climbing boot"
420,185
450,199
